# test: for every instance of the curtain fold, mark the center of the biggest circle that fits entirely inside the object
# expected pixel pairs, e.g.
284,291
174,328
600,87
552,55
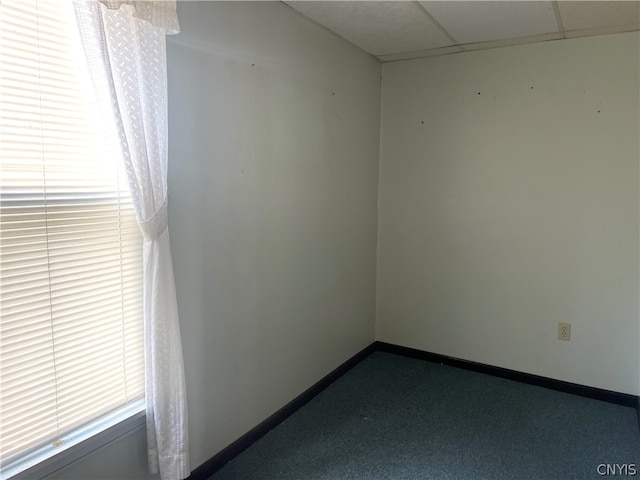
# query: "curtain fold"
125,47
160,13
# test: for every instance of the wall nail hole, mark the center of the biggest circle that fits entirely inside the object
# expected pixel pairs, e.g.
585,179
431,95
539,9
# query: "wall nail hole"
532,88
598,111
253,64
422,122
478,93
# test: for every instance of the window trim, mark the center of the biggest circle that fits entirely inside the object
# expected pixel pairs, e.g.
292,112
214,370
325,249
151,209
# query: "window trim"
78,443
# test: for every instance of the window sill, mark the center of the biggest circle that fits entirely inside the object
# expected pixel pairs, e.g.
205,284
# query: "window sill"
77,443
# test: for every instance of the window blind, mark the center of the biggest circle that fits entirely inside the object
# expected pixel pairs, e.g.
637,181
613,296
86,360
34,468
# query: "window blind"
71,331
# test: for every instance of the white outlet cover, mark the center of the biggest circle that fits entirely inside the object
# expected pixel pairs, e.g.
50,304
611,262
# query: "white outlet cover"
564,331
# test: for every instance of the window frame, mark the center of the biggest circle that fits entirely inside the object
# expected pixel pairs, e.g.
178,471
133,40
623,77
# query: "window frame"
78,443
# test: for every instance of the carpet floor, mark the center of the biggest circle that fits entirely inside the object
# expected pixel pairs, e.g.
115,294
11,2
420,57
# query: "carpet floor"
392,417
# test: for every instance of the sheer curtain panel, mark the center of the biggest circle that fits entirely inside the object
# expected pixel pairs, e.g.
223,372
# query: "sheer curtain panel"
125,46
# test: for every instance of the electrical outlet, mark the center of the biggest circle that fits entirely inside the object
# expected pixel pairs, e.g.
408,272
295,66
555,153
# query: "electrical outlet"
564,331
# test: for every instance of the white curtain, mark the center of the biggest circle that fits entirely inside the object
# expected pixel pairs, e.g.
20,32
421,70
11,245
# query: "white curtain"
125,47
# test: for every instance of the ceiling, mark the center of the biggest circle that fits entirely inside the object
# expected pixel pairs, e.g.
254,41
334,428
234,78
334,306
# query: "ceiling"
399,30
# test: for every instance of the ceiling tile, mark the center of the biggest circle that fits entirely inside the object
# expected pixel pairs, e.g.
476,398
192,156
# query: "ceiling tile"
592,15
471,22
379,28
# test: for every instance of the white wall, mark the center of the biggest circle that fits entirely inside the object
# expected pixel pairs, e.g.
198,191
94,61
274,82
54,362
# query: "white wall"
273,178
274,137
509,202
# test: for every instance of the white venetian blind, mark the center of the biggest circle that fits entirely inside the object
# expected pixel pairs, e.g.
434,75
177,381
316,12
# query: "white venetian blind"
71,331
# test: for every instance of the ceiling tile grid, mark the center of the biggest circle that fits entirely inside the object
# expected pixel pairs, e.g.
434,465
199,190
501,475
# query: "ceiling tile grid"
398,30
472,22
377,27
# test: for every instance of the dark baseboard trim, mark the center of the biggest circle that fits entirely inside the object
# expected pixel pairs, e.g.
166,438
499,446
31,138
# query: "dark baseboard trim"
216,462
559,385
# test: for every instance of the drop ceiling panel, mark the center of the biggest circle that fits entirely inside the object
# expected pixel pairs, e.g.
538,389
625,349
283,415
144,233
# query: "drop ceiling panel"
598,15
379,28
471,22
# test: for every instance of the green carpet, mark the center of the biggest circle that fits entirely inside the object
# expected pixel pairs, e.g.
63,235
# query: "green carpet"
392,417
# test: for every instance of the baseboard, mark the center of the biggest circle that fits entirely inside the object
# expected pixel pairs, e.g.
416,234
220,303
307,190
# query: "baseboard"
216,462
559,385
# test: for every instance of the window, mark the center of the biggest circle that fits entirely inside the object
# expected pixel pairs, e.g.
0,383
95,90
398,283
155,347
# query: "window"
71,329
